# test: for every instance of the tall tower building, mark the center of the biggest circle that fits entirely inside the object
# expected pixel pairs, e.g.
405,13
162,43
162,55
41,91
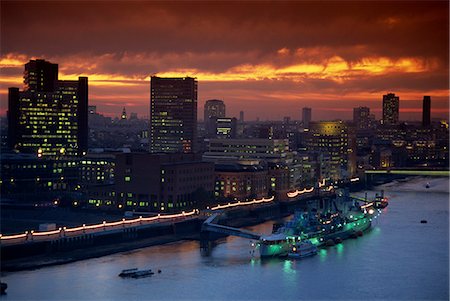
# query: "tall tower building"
306,116
49,117
426,111
361,118
173,114
214,108
241,116
390,109
330,139
40,76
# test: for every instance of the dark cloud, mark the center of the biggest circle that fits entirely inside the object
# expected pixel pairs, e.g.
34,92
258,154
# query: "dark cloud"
396,28
128,41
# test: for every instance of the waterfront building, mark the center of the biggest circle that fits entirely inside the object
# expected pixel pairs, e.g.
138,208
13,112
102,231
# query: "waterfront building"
330,139
306,117
163,182
97,167
173,115
30,180
426,111
237,181
390,109
278,178
50,116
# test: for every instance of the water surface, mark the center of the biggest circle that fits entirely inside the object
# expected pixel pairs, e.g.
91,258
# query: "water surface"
400,258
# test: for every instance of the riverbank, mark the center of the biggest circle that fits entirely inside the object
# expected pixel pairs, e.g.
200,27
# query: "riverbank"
57,258
238,217
242,217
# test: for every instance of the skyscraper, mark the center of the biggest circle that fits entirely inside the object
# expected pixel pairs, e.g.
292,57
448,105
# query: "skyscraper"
330,139
49,117
306,116
173,114
40,76
426,111
361,118
214,108
390,109
241,116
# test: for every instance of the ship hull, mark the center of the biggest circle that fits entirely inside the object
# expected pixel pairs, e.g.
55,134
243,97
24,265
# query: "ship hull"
281,249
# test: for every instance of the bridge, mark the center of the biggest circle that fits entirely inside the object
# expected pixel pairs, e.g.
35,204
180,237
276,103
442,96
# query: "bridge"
210,226
410,172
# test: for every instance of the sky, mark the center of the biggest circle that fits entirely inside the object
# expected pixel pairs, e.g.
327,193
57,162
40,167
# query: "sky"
268,59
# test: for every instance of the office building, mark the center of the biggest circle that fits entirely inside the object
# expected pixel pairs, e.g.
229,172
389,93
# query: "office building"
50,116
361,118
214,108
306,117
390,109
173,114
40,76
330,140
235,181
224,127
426,111
273,150
163,182
27,179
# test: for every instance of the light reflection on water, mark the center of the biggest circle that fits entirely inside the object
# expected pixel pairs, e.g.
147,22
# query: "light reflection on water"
400,258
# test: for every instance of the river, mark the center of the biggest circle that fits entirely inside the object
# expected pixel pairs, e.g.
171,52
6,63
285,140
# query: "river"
400,258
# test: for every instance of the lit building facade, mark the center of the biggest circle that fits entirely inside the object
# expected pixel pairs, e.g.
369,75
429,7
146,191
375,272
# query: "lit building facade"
361,118
213,110
222,127
163,182
32,180
49,117
330,140
274,150
390,109
236,181
173,114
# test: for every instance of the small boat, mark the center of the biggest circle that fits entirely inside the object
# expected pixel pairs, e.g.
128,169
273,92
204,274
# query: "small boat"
3,287
427,185
128,272
141,274
135,273
303,249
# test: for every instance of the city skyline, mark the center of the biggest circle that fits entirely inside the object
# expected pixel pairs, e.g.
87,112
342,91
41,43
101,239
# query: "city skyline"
264,59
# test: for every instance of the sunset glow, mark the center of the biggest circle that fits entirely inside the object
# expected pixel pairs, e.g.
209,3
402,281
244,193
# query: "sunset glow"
296,59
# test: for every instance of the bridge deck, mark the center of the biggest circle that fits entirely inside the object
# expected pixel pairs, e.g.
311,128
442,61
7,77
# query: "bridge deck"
208,225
